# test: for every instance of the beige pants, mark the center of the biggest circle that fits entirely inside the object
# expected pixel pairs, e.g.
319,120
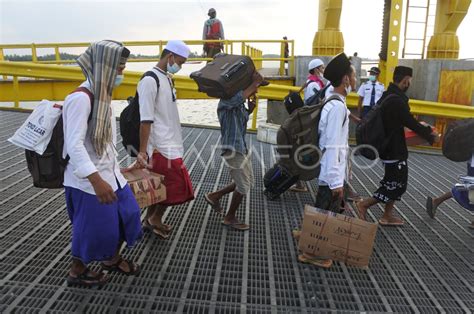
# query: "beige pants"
241,171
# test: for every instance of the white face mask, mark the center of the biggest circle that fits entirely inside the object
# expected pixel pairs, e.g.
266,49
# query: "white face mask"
118,80
173,68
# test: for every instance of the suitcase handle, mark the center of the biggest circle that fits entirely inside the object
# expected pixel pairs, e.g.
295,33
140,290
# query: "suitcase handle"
236,67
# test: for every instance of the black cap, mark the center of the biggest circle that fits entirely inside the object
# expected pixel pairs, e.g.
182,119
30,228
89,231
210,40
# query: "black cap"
337,67
403,71
374,70
125,53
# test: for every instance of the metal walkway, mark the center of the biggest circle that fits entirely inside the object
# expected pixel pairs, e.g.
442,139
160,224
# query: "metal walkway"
424,266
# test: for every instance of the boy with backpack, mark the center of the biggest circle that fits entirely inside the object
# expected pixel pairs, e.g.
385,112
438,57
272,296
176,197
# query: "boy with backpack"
394,112
101,205
212,30
161,142
333,142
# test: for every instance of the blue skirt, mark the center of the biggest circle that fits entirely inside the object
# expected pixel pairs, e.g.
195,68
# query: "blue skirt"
97,229
462,197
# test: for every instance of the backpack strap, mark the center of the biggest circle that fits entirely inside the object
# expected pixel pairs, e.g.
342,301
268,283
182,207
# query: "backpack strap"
331,98
91,98
153,75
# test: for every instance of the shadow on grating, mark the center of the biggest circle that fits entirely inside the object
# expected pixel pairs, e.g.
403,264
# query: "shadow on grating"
424,266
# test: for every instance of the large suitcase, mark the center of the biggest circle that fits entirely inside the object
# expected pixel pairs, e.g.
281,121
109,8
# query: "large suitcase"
458,142
277,180
224,76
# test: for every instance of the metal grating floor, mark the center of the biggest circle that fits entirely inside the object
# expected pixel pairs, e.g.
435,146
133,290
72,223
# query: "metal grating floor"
425,266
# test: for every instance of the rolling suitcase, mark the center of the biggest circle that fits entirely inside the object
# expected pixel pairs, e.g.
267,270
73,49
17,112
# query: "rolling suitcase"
224,76
277,180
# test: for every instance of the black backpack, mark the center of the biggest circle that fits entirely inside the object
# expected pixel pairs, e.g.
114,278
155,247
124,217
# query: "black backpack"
458,142
298,141
48,169
371,132
130,121
294,101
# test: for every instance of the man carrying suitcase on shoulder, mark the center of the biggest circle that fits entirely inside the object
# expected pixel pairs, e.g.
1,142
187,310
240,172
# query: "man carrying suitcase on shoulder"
233,118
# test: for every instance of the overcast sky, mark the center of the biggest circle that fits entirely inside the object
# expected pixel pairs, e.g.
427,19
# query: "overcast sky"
86,20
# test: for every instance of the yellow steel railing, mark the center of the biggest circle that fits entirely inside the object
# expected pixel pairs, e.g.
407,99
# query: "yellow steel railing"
58,81
229,46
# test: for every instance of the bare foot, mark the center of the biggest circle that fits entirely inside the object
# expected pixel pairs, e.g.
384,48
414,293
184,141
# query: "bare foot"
360,210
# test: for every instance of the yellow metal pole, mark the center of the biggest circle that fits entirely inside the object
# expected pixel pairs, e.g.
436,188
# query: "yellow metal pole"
16,92
255,115
33,53
2,58
328,40
243,48
445,43
56,53
388,67
231,48
282,56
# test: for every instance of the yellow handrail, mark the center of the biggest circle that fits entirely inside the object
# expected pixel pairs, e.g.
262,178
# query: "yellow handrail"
246,49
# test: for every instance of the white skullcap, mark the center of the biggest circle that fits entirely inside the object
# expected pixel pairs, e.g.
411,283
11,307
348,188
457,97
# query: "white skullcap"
178,47
313,64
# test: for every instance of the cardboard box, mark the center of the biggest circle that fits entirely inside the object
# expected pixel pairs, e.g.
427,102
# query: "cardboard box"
148,187
267,133
341,238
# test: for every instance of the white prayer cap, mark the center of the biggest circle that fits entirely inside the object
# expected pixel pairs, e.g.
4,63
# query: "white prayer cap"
313,64
178,47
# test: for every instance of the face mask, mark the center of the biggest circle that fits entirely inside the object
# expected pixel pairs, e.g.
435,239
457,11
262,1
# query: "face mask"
118,80
348,88
372,78
173,68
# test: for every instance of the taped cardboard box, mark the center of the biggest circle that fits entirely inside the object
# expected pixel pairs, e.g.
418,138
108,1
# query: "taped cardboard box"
333,236
148,187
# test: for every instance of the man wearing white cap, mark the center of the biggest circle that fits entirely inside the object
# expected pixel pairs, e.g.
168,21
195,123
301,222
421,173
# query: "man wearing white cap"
314,82
161,142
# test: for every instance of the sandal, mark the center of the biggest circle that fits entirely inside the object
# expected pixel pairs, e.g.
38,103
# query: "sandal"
320,262
160,233
133,268
215,206
430,208
147,226
85,279
396,222
237,225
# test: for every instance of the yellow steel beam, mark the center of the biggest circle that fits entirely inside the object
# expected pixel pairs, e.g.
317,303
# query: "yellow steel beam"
387,67
70,78
328,40
444,44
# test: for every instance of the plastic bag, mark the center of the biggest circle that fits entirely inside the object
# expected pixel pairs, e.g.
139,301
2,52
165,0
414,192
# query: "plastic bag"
35,133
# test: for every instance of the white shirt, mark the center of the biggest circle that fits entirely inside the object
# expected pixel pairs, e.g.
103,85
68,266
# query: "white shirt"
334,136
84,161
365,91
160,108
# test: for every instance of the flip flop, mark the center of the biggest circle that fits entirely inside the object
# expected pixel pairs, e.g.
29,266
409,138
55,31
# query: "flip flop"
147,226
216,207
383,222
237,225
298,189
323,263
430,209
355,198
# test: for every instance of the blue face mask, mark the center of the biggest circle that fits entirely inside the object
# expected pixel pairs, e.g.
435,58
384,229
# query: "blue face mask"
118,80
173,68
372,78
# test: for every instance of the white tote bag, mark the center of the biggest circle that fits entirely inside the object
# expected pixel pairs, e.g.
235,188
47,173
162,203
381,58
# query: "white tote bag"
35,133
